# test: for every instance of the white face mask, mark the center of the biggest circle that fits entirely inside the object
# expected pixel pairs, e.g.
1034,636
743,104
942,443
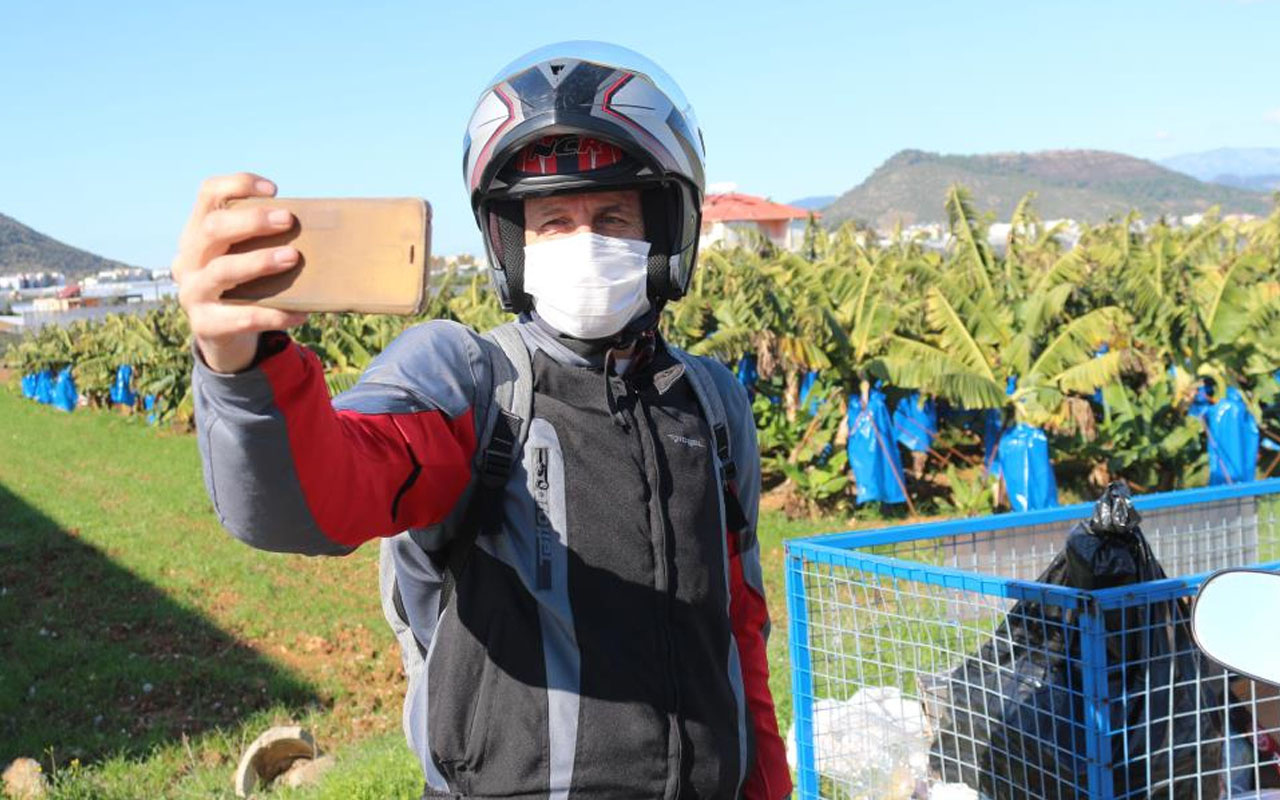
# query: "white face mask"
587,285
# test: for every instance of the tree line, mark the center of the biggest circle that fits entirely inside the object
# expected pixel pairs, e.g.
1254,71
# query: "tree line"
1106,344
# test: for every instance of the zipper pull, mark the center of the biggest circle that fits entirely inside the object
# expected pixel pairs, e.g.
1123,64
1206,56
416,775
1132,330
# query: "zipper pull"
614,385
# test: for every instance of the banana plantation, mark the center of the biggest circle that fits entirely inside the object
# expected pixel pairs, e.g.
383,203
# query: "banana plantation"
1110,357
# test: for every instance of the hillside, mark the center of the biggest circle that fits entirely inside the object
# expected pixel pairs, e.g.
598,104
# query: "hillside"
25,250
1087,185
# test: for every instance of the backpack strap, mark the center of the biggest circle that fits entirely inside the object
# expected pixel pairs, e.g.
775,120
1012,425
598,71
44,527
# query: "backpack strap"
515,392
507,427
708,394
712,408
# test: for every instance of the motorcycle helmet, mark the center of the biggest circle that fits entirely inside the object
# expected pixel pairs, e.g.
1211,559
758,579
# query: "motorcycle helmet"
585,116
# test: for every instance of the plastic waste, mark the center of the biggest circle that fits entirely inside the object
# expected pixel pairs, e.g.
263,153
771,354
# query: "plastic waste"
875,744
1014,707
954,791
1252,756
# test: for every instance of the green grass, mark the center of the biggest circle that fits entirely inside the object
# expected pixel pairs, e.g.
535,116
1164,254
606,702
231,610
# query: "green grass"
143,643
774,529
143,647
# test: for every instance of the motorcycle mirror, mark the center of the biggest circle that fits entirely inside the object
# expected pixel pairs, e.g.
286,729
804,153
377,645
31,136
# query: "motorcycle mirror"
1229,622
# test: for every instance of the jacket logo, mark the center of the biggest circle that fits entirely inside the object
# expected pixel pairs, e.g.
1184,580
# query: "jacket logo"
667,378
545,533
686,441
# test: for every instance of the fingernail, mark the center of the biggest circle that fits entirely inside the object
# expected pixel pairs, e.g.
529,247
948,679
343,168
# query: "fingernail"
265,187
280,217
285,255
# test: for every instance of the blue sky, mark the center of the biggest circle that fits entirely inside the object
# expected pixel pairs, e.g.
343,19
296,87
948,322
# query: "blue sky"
112,113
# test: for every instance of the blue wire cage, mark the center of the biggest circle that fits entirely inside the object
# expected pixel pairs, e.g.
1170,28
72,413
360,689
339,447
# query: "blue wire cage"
881,621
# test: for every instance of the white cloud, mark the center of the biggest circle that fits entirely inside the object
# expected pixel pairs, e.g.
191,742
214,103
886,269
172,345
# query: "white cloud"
1272,116
1163,135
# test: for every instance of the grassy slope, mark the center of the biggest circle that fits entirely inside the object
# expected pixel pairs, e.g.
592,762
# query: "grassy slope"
139,637
146,644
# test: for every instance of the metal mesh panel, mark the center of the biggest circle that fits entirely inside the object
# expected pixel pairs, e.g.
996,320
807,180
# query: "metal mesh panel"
903,652
1175,739
1186,539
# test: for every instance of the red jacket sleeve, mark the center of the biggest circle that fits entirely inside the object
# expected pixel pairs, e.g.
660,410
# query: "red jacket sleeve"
367,475
770,777
291,469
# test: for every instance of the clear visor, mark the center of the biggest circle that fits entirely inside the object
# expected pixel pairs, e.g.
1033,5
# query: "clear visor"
604,54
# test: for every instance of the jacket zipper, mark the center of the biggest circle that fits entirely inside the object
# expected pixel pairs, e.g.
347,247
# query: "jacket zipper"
662,579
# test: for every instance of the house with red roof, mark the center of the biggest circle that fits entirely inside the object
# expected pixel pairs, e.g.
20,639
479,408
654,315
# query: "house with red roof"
726,216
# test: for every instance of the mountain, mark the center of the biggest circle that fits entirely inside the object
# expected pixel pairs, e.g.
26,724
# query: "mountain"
25,250
1255,168
815,203
1253,183
1088,185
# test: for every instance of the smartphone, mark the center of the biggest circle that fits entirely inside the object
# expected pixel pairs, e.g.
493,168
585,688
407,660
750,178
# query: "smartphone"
368,255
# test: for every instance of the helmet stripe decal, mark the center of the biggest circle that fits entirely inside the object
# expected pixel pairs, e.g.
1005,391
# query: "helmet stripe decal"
488,145
608,99
606,105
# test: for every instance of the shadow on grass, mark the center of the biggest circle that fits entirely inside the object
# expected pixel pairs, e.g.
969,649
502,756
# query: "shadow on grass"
95,661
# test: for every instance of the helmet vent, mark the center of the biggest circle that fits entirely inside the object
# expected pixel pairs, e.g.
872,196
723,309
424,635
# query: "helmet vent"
557,71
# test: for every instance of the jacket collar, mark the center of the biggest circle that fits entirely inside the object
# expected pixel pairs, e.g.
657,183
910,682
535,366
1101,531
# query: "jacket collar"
539,336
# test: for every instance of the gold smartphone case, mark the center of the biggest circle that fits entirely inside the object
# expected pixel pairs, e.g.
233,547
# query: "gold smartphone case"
364,255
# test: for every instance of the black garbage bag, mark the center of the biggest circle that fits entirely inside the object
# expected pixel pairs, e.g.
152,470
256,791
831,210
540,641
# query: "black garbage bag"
1013,714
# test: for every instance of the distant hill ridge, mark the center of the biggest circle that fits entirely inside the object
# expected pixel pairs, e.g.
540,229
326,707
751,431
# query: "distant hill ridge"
815,203
1256,168
23,249
1088,185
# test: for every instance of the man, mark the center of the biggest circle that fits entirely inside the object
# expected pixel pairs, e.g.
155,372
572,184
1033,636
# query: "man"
604,636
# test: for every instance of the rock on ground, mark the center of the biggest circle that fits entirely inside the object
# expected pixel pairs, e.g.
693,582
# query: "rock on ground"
273,754
306,771
24,780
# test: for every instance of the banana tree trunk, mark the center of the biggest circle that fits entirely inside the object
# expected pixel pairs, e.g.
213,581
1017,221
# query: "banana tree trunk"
842,432
791,394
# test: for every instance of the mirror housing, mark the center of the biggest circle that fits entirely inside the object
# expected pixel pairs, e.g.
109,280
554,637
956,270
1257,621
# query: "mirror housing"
1231,622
